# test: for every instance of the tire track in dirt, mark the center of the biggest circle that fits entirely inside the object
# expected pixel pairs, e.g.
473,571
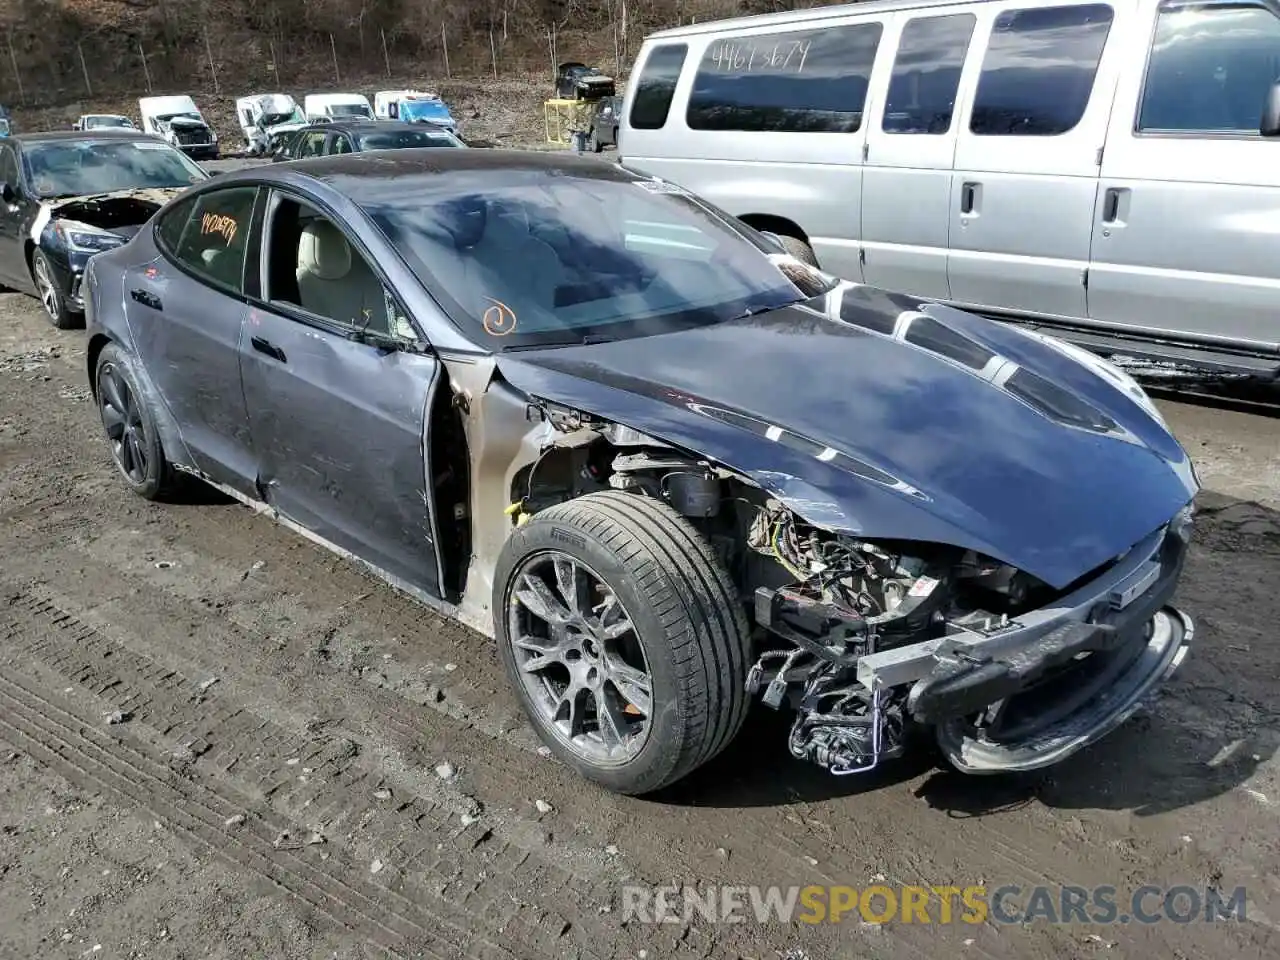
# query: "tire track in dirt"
427,853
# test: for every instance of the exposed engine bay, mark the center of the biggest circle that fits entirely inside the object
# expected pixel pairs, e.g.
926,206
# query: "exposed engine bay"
119,213
821,602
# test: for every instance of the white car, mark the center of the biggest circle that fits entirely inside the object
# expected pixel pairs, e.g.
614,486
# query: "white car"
327,107
178,120
104,121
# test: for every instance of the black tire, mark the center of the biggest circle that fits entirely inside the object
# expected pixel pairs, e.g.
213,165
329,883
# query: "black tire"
687,617
158,479
596,145
51,297
799,249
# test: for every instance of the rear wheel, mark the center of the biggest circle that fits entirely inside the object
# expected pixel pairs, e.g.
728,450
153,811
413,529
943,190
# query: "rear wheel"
624,638
130,425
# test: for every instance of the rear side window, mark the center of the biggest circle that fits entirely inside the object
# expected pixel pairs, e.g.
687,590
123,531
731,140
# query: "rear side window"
1038,71
657,85
813,81
1210,69
213,236
926,74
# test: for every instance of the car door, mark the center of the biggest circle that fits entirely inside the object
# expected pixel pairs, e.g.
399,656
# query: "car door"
1185,226
186,309
911,145
1026,168
339,424
13,218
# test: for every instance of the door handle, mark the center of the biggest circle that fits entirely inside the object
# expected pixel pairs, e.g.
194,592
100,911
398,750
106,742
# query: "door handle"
1110,205
968,197
267,347
147,299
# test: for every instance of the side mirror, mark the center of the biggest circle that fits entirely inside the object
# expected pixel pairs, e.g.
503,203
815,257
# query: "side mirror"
774,240
7,193
1270,125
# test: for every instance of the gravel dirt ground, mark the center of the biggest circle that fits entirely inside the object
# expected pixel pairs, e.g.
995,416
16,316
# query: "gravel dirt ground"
218,741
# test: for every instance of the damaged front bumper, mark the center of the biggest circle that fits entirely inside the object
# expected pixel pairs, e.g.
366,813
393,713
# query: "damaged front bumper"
1074,670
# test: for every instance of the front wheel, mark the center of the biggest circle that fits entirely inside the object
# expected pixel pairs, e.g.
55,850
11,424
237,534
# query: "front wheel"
51,296
624,638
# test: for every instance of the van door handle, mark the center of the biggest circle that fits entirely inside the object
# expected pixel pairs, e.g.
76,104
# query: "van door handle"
1110,205
147,299
269,348
968,197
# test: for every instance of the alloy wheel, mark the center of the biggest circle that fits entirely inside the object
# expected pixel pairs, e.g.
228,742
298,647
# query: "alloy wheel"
45,288
122,418
579,658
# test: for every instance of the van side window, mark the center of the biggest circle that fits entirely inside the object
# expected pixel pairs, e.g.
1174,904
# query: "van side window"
656,86
926,74
1038,71
1210,68
813,81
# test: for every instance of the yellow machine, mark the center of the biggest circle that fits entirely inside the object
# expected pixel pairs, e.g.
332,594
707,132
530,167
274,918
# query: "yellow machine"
567,117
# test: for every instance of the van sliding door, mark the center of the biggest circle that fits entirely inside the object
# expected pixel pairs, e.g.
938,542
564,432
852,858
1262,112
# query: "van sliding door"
1026,167
911,143
1185,227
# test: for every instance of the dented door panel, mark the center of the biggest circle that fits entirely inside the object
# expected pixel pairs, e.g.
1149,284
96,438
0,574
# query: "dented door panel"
340,430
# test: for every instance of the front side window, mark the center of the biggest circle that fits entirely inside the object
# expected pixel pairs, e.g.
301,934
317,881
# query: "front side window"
813,81
209,234
1037,75
1210,69
926,74
540,259
656,86
312,143
341,144
312,266
78,168
8,167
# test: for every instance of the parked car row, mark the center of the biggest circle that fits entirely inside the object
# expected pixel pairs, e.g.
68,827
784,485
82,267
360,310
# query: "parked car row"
1106,170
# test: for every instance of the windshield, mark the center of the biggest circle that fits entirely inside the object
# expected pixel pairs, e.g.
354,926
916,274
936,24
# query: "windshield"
78,168
276,119
107,122
423,109
540,258
349,110
402,139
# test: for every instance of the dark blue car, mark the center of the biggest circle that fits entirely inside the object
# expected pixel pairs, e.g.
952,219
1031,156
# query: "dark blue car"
667,466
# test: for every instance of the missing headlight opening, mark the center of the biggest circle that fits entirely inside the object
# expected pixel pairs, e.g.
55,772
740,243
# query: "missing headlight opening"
864,639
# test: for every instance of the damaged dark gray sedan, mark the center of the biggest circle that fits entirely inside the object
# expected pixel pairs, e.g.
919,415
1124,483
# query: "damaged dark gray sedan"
66,196
665,465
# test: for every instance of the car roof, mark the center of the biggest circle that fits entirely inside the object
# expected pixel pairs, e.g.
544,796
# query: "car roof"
48,136
413,167
366,126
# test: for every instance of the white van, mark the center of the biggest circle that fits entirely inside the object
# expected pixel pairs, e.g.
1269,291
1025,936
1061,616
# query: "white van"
1108,168
264,116
326,107
179,121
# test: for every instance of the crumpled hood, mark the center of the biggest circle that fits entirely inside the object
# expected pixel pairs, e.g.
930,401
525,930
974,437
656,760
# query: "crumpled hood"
965,431
185,122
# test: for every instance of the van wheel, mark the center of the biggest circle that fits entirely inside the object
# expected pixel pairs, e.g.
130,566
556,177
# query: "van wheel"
799,249
624,638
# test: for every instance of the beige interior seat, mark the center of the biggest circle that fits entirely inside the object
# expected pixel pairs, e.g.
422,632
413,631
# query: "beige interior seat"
335,282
